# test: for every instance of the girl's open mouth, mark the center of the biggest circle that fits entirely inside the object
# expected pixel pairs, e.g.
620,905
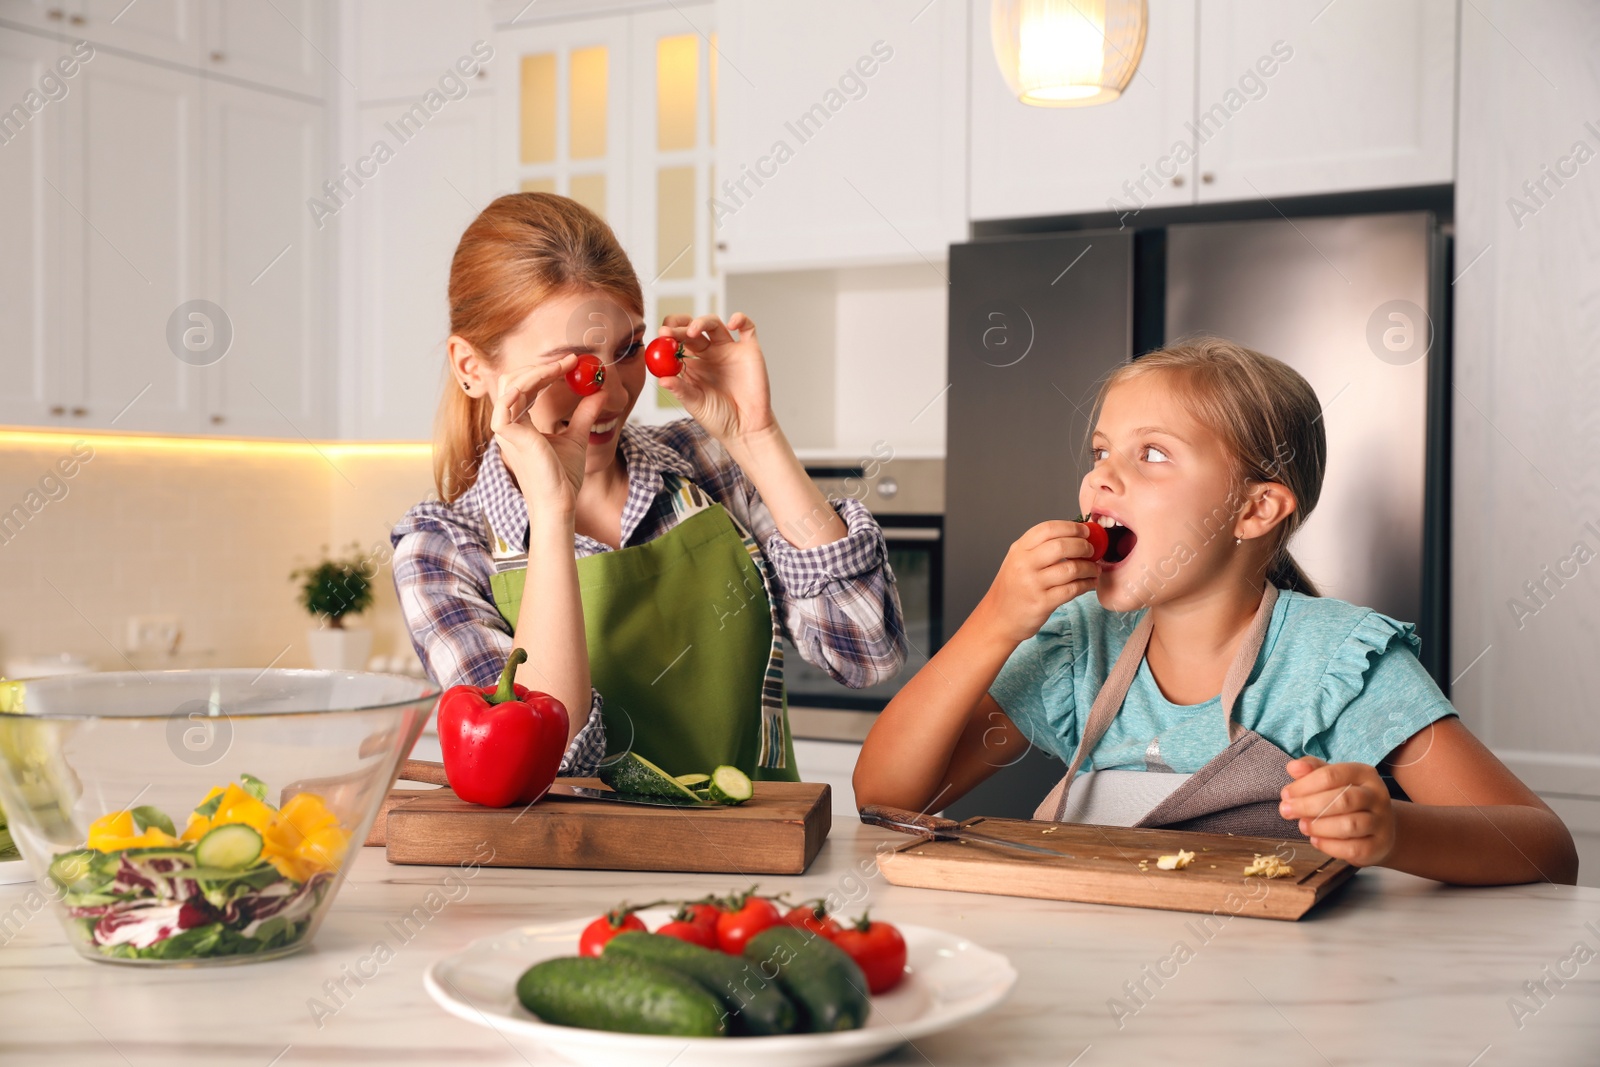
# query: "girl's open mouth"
1119,539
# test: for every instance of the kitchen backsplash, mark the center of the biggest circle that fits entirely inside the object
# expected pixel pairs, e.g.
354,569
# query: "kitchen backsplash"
97,530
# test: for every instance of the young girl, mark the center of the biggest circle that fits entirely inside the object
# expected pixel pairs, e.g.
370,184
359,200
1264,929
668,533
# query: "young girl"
648,571
1263,707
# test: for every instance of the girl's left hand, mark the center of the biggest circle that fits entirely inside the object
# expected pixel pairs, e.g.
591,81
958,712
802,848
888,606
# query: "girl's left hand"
1343,807
725,387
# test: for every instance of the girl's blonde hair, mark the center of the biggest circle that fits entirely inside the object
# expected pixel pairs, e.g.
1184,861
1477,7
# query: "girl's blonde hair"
520,251
1267,417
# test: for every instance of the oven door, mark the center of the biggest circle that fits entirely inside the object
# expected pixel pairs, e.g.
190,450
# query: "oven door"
916,555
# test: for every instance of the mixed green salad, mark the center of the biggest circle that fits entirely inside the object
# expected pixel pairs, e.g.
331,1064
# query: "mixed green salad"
8,847
242,878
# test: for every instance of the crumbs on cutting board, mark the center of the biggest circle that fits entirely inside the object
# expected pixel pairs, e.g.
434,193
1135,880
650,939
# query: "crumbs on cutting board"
1175,863
1268,866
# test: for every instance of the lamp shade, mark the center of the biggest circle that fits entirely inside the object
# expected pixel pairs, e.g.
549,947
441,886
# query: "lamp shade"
1068,53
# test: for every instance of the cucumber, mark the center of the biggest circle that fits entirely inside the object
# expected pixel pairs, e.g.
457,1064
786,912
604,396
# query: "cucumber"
730,785
820,977
632,773
230,846
623,995
754,1006
76,872
696,782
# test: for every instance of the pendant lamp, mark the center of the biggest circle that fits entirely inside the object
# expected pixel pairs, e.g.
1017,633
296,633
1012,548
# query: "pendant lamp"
1068,53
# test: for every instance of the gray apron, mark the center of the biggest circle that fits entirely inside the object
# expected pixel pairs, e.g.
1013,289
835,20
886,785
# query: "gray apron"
1235,793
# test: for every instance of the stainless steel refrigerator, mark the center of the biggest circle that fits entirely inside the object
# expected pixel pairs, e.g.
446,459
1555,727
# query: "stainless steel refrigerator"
1355,303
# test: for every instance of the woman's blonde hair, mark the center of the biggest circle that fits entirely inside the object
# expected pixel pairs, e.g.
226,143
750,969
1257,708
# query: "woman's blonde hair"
520,251
1267,417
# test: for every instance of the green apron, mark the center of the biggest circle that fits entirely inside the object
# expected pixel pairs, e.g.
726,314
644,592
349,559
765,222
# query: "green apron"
682,646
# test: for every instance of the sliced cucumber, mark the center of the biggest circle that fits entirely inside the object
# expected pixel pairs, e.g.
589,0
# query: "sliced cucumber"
730,785
694,781
632,773
230,847
75,871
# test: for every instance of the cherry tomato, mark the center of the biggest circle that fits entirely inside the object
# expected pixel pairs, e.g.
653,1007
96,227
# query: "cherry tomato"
736,927
1098,538
692,932
587,375
664,357
878,950
593,940
811,916
704,915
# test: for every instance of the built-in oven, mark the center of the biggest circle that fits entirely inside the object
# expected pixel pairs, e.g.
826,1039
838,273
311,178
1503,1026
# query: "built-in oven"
906,496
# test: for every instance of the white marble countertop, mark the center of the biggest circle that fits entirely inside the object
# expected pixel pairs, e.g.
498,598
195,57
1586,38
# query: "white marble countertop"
1392,970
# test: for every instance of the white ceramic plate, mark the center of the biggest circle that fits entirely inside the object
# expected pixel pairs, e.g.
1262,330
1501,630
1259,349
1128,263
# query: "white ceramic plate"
951,980
15,872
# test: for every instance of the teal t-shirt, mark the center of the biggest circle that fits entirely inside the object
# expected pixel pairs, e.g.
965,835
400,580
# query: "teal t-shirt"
1332,680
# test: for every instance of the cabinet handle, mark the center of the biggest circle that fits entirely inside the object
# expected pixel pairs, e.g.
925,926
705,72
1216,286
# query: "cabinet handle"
1177,180
79,412
483,72
55,14
218,420
217,57
722,246
58,409
1208,177
77,20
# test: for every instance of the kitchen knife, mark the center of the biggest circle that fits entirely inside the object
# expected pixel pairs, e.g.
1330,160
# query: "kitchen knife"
940,829
430,773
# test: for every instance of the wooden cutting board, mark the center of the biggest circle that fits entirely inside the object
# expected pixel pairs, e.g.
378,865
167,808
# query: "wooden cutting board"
778,831
1106,868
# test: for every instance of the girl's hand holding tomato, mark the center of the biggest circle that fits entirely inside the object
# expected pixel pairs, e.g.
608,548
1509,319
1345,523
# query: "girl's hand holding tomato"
548,465
1047,566
726,389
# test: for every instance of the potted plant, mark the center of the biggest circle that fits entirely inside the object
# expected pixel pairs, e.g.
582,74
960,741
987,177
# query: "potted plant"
330,590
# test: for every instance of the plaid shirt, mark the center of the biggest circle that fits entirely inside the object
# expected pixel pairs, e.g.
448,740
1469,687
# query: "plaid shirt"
837,602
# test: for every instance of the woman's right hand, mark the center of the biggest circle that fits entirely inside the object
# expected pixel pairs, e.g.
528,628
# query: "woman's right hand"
1044,568
548,465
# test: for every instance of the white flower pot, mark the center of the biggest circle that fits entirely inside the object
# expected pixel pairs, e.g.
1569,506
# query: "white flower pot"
339,650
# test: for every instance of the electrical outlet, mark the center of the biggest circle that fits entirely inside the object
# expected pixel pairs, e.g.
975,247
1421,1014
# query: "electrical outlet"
154,633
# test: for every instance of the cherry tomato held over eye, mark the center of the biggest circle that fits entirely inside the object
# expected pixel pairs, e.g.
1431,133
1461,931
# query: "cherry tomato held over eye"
878,950
587,375
593,940
1099,540
736,927
811,916
663,357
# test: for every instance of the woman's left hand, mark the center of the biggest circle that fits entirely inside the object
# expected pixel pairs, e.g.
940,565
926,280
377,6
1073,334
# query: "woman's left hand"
725,386
1344,808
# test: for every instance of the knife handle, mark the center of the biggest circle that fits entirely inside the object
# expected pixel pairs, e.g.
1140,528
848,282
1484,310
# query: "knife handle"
903,820
425,771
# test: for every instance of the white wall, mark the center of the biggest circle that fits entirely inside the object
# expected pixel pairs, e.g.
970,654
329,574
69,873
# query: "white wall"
1527,401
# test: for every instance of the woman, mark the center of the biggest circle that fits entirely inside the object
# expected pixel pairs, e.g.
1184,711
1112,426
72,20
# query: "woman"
648,571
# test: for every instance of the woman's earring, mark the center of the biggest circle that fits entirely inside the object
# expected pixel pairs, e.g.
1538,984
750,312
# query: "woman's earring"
466,387
1237,541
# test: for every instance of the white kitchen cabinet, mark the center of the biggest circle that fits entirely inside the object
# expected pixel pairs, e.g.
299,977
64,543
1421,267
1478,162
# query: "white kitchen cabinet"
264,266
1121,156
405,225
1361,95
169,30
841,132
284,44
35,308
405,46
136,238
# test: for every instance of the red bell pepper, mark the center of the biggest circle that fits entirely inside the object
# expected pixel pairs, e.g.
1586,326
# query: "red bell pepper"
502,744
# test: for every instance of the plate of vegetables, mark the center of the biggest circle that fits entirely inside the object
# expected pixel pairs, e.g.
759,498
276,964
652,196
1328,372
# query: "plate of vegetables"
732,980
243,879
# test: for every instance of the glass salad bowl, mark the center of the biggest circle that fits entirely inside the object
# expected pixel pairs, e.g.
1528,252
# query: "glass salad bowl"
206,816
